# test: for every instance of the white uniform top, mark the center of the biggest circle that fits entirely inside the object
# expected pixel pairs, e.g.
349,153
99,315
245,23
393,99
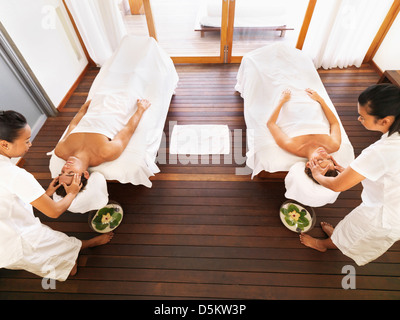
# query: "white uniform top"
26,243
18,188
370,229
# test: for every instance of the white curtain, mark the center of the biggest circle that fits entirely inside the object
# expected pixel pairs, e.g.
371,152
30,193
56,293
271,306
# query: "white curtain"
100,24
341,31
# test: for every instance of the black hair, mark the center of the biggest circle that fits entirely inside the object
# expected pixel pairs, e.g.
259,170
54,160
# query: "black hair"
11,122
62,192
329,173
382,100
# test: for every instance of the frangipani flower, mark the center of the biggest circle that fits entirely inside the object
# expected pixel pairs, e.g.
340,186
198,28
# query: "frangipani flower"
106,218
294,215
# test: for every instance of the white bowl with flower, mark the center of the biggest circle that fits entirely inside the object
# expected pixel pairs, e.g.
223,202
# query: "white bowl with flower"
107,218
297,217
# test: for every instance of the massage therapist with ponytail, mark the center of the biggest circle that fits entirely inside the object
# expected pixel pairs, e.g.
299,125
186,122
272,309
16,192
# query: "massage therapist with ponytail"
369,230
25,243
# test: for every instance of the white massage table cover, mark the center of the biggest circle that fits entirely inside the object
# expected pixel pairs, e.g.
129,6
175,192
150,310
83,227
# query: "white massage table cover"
263,74
142,68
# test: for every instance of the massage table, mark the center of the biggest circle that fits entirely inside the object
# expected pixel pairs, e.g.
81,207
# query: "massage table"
142,69
249,14
262,76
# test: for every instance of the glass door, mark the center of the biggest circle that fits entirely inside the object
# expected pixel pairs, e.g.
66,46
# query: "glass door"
190,31
217,31
261,22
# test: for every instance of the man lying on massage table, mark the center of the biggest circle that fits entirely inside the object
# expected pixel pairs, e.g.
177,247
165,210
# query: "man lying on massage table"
82,150
314,147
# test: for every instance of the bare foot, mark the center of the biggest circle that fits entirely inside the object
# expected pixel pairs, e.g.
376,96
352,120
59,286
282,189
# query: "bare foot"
74,270
311,242
94,242
98,241
328,228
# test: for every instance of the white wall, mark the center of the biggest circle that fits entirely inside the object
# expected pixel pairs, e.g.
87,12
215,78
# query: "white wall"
388,55
45,37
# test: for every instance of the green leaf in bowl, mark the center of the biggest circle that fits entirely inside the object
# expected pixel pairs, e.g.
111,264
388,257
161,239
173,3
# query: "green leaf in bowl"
116,218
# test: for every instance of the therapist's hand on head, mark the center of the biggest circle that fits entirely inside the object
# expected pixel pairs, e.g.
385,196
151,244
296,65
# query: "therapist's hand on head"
54,185
75,185
338,167
316,169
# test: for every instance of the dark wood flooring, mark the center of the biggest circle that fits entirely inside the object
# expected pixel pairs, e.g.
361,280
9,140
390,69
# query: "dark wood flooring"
201,231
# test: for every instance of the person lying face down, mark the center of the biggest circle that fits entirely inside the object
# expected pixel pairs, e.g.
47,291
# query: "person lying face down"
314,147
82,150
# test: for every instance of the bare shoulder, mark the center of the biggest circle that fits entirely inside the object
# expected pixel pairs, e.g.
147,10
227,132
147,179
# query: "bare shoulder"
60,150
332,144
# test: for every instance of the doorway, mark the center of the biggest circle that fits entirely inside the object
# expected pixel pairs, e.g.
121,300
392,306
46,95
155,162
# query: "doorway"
215,31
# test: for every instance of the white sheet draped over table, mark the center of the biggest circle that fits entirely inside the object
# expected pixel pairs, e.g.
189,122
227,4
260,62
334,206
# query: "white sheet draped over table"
263,75
139,69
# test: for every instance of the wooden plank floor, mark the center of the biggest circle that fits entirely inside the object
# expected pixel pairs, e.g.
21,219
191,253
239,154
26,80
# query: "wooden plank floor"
201,231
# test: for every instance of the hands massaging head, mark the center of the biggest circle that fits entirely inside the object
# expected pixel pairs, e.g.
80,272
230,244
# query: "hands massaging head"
324,160
72,166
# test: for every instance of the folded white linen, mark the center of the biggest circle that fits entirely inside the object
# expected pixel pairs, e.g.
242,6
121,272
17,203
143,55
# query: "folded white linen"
263,74
200,139
301,188
139,69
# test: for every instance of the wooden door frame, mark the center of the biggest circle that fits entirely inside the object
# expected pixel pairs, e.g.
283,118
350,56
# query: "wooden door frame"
223,41
300,40
383,30
306,24
227,23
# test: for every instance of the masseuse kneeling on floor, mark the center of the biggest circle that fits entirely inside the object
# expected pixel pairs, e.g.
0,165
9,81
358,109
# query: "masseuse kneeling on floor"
25,243
370,229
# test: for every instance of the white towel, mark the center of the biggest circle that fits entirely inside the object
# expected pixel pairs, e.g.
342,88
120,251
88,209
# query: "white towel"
302,188
301,116
92,197
200,139
107,114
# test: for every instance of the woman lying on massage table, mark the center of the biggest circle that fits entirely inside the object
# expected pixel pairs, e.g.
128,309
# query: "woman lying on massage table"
314,147
82,150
